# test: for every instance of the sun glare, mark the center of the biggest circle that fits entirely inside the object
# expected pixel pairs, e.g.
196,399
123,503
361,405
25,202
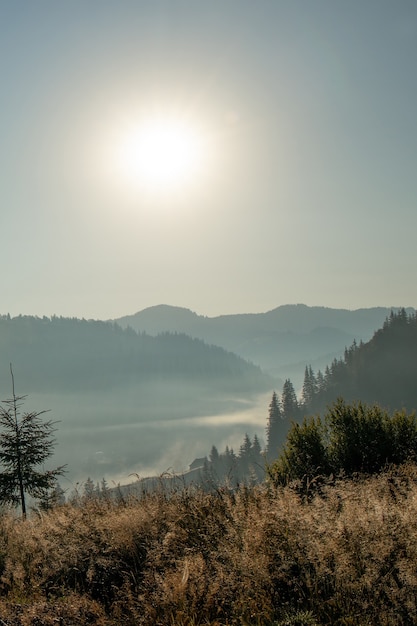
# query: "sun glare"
161,154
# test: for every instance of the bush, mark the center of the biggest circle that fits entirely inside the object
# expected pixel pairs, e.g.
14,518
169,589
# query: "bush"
305,454
354,438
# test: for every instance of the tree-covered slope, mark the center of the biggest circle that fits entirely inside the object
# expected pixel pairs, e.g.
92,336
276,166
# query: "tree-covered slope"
73,354
383,370
127,402
279,341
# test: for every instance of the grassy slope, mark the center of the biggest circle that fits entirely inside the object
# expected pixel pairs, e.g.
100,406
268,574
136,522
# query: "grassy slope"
253,557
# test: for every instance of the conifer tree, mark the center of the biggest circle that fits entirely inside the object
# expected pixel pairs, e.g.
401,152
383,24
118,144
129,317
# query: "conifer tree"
104,489
256,450
215,464
321,384
289,401
214,455
244,456
89,489
257,461
55,497
309,387
274,429
245,448
26,442
229,462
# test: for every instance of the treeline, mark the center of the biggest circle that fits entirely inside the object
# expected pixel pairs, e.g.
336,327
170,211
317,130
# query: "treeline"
380,372
231,469
68,354
228,469
383,370
352,438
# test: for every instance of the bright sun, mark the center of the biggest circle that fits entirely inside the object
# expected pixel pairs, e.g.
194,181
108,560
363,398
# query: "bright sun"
161,154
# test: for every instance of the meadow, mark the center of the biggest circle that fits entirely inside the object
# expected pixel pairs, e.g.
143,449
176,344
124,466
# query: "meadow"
257,556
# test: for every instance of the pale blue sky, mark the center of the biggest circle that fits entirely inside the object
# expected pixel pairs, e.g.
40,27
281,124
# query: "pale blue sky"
309,194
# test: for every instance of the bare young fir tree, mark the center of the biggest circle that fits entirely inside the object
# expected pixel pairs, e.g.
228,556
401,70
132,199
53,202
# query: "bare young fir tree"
26,442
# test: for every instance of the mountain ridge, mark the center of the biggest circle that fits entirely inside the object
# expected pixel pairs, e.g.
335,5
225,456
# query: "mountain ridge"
278,341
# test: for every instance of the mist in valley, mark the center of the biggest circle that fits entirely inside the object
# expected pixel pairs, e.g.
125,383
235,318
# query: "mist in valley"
127,404
121,435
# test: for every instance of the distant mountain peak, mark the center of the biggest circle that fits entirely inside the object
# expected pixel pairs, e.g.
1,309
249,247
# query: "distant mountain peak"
169,309
162,317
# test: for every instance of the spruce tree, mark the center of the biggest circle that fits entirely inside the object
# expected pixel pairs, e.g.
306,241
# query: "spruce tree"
104,489
26,442
257,460
214,455
321,384
89,489
274,429
289,401
256,450
245,448
215,464
309,388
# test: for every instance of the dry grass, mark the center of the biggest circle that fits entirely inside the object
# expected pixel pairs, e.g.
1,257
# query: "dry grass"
257,557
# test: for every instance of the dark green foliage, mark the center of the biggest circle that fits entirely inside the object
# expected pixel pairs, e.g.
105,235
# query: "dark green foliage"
359,438
256,450
354,438
305,454
275,427
26,442
403,437
310,386
245,448
250,461
383,370
289,402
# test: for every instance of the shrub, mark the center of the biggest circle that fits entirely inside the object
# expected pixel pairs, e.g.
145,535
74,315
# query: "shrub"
354,438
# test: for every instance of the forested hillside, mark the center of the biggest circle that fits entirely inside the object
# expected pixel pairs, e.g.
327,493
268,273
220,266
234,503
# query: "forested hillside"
127,402
62,354
279,341
383,370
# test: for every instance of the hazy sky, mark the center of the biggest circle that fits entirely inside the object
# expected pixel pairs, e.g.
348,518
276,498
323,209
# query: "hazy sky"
303,116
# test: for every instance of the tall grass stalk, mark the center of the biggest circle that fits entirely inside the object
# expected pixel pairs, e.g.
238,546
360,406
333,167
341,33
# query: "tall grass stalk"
258,556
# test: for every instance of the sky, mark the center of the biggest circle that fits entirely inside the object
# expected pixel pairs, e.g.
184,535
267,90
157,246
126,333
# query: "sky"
292,178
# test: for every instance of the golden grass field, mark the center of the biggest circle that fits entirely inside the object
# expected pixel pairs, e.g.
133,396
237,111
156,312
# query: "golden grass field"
259,556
